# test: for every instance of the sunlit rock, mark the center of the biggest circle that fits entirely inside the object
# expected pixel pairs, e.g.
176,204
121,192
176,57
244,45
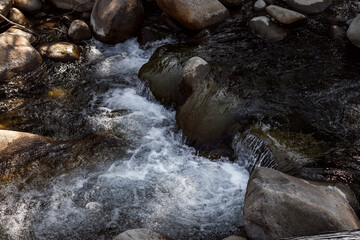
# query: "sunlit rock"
195,14
62,51
278,206
5,6
18,17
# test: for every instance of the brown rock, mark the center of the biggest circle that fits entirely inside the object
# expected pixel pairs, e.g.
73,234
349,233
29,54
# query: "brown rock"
28,5
17,16
17,56
5,6
15,30
79,31
60,52
195,14
115,21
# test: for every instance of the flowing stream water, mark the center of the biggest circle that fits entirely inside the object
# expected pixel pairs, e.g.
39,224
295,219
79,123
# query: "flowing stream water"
158,182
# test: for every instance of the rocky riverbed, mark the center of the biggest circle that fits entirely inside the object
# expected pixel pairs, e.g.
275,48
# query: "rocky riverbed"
179,119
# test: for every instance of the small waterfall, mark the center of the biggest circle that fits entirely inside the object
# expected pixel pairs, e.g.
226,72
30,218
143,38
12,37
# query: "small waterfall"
252,152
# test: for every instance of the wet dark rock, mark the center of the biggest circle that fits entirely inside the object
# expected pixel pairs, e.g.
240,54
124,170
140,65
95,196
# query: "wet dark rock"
171,23
353,33
266,29
141,234
29,6
278,205
232,2
195,70
113,22
337,32
18,149
284,15
61,52
79,31
164,72
17,56
77,5
151,34
195,15
259,5
309,6
18,17
5,7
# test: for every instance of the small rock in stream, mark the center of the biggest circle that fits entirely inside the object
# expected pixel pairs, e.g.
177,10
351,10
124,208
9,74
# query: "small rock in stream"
61,52
18,17
259,5
284,15
309,6
266,29
353,33
79,31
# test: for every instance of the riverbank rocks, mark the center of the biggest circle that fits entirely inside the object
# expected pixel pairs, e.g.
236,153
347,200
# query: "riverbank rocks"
77,5
308,6
79,31
141,234
29,6
19,148
194,71
60,52
284,15
195,14
164,72
116,21
278,206
17,16
5,6
266,29
17,56
353,33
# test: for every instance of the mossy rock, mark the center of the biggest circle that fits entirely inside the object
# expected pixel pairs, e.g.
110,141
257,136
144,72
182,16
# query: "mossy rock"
164,72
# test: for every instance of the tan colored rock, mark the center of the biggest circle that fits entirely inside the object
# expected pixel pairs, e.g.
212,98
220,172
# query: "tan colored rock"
115,21
141,234
195,14
79,31
19,148
28,5
17,56
5,6
14,30
284,15
280,206
60,52
17,16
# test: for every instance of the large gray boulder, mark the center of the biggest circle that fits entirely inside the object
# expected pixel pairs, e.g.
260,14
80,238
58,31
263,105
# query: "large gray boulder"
77,5
309,6
195,14
113,21
17,56
28,5
284,15
264,28
18,149
353,33
278,205
5,6
141,234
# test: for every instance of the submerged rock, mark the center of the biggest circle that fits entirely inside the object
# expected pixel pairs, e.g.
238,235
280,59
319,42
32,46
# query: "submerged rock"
267,29
141,234
309,6
79,31
18,17
278,206
5,6
17,149
61,52
77,5
353,33
284,15
116,21
17,56
195,14
28,5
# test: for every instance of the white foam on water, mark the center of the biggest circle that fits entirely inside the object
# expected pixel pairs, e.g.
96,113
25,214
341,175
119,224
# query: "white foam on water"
161,183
